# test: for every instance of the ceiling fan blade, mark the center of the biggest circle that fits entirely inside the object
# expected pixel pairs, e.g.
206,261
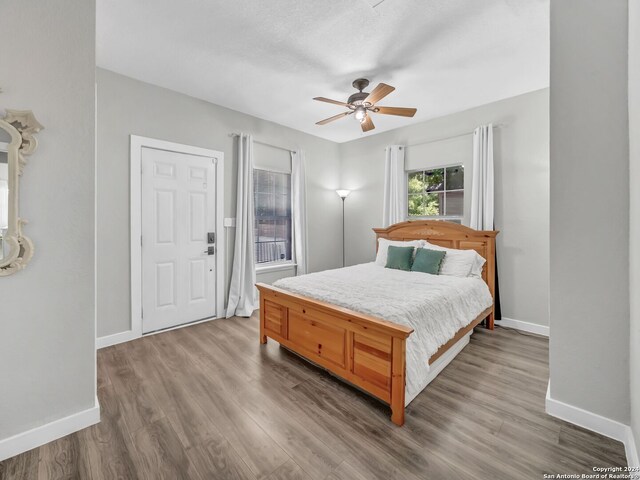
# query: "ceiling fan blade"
328,100
400,111
335,117
378,93
367,124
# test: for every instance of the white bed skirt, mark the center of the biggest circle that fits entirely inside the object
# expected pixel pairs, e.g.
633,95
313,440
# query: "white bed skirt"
436,367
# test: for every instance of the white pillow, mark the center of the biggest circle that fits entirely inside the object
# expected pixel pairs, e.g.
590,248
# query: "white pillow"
459,263
384,244
476,270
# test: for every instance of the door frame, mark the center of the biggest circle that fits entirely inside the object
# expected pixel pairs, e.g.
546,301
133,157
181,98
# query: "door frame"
137,143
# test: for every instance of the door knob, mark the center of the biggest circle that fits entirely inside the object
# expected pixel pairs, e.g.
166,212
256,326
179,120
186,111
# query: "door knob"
210,251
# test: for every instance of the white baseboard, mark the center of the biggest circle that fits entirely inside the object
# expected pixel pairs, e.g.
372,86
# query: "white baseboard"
630,447
22,442
524,326
596,423
108,340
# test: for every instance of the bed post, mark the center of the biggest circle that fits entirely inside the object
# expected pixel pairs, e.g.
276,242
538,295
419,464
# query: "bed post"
263,337
490,319
491,278
398,369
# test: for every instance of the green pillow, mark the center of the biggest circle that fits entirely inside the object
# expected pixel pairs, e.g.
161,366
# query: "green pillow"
400,258
427,261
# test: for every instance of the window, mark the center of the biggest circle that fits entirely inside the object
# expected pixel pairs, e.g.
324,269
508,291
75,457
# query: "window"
437,193
272,203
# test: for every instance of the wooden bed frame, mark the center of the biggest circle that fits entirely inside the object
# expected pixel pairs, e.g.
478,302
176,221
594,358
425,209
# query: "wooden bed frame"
366,351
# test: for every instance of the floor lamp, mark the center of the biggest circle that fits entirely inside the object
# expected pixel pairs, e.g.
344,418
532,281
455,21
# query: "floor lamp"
343,194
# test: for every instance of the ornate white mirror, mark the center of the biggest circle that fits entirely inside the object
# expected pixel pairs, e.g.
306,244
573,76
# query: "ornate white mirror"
17,141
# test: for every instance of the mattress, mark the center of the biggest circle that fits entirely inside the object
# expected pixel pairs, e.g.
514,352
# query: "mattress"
435,306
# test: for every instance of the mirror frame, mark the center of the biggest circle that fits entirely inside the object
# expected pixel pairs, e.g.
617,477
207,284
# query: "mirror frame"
21,125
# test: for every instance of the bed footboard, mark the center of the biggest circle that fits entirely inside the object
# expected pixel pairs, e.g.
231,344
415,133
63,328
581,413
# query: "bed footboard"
365,351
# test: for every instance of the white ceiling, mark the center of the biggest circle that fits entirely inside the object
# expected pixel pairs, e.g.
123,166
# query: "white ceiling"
270,58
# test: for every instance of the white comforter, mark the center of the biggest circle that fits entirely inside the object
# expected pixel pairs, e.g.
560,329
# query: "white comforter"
436,306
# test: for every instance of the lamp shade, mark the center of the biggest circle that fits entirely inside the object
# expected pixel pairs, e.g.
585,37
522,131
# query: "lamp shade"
343,193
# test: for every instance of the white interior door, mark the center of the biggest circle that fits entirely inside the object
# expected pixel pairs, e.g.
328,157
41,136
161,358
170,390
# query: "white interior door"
178,253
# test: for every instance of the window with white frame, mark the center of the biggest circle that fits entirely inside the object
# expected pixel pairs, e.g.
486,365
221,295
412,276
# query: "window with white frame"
436,193
272,203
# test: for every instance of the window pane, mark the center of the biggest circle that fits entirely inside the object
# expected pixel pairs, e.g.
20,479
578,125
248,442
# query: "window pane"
272,197
282,182
434,179
279,251
263,181
426,192
283,205
415,205
455,203
266,231
416,182
264,205
283,230
433,204
455,178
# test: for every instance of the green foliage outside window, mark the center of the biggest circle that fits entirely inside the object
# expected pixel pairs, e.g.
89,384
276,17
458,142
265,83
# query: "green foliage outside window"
427,190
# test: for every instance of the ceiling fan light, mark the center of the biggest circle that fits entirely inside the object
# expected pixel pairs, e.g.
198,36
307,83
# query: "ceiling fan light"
360,114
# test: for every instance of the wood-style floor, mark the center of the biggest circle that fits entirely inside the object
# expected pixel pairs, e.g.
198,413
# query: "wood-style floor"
208,402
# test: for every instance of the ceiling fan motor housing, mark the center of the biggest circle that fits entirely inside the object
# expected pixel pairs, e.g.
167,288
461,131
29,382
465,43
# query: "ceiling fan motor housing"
357,98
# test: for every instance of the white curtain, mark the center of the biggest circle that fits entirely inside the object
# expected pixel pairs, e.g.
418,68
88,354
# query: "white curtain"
299,200
242,292
482,179
395,186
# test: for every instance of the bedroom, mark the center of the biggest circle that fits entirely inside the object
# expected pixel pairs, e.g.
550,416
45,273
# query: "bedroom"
549,390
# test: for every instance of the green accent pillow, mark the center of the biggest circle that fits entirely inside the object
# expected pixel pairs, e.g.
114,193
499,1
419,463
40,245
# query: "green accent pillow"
427,261
400,258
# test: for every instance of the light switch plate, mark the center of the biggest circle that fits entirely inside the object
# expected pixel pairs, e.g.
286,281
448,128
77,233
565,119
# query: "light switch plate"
230,222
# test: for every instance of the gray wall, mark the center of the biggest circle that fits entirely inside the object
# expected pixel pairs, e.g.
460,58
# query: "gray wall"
127,106
634,212
589,344
47,312
522,190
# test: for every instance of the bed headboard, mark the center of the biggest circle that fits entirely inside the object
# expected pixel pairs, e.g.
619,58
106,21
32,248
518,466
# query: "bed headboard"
451,235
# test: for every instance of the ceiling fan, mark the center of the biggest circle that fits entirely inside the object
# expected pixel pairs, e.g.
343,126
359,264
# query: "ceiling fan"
361,104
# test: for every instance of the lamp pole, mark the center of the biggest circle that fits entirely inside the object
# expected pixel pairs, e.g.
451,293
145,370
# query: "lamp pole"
343,194
343,253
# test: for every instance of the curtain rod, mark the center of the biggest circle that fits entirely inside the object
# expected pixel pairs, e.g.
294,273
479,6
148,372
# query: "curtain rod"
234,134
497,125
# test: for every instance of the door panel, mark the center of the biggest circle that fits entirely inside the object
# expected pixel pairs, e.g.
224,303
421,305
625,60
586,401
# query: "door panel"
197,216
165,283
164,170
165,214
178,210
197,173
198,280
